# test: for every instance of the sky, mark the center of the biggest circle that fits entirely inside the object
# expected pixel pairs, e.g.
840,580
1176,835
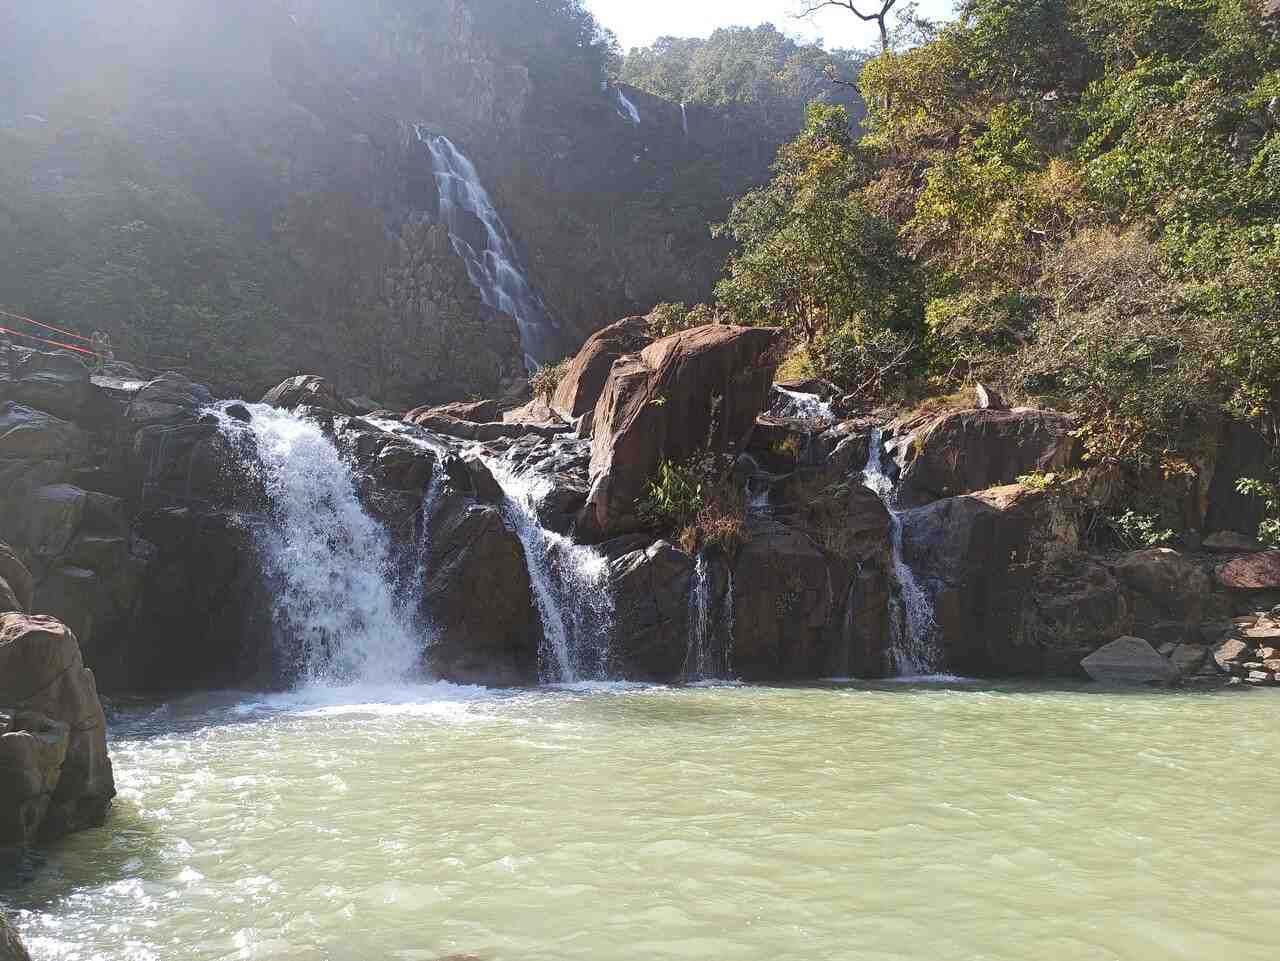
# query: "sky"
640,22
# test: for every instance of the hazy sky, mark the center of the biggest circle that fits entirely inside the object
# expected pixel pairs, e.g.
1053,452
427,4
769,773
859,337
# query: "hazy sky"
639,22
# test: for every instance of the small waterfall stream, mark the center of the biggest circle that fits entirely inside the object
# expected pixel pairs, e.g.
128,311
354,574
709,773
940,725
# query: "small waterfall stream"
626,109
684,118
495,270
711,624
570,585
913,631
800,406
335,590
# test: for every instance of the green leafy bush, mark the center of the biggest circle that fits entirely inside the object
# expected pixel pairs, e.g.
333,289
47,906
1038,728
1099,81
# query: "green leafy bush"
547,378
1269,529
1135,531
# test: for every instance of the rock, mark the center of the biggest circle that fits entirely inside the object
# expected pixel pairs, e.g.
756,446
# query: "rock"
988,398
1229,652
33,749
240,413
537,414
56,382
1187,659
1167,583
1231,542
1269,632
1010,595
698,386
168,399
580,388
11,946
404,467
17,579
788,597
650,585
481,636
1259,677
1128,660
1242,451
971,450
1256,572
41,672
474,412
306,390
53,516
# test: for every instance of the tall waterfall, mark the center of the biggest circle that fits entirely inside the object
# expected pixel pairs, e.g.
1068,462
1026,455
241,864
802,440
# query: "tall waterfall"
570,585
913,630
330,563
684,118
710,625
626,109
494,269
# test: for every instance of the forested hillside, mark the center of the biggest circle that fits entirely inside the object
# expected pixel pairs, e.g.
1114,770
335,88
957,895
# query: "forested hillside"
1077,203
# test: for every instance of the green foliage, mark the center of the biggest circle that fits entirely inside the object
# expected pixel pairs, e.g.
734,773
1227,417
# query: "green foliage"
697,502
674,498
1269,493
669,318
547,378
1135,531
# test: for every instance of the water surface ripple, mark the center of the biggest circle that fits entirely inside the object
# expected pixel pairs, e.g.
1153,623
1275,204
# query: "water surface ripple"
926,822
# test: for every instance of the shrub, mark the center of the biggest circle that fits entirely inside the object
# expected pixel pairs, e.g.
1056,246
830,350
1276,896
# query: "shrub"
863,359
1269,529
1135,531
669,318
697,503
546,379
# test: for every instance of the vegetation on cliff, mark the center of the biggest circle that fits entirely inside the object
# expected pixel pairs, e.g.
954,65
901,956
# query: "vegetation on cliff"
1077,202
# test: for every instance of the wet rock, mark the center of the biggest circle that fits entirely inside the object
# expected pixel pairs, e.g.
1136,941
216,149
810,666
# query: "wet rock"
33,749
1128,660
306,390
11,946
474,412
240,413
788,598
41,672
1231,542
1252,573
971,450
56,382
650,585
697,386
582,384
478,597
1188,659
169,399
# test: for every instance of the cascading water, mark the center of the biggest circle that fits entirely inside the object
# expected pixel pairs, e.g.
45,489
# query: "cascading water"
913,630
626,109
710,625
684,118
331,564
495,270
570,585
800,406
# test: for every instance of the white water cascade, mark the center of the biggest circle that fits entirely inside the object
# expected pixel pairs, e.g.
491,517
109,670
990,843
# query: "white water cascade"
684,119
710,625
330,563
801,406
495,270
913,630
626,109
570,585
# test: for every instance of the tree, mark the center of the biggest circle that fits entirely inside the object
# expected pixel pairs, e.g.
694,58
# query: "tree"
879,17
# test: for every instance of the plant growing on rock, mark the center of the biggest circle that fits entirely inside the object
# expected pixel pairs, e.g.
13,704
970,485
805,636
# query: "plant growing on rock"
546,379
697,503
1137,531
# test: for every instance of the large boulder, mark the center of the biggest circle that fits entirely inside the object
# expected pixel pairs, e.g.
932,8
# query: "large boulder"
1129,660
11,946
1256,572
475,412
650,585
1167,586
41,673
36,450
788,595
971,450
580,388
306,390
488,636
168,399
980,557
56,382
696,387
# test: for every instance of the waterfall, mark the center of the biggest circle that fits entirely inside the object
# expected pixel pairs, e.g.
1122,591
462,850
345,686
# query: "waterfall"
570,584
800,406
626,109
913,631
711,625
330,563
684,119
495,269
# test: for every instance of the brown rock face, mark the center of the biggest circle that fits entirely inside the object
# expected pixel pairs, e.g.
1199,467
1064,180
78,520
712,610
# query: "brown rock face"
475,412
971,450
1258,572
582,384
697,386
11,946
306,390
1167,584
650,584
43,678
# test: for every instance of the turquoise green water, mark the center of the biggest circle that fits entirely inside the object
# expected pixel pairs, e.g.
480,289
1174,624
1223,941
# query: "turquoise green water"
891,822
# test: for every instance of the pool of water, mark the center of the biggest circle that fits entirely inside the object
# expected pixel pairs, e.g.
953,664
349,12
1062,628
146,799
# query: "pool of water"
932,822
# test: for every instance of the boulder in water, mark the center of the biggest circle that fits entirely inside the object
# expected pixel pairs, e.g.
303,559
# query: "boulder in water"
698,386
169,399
971,450
650,584
11,946
1129,660
41,673
306,390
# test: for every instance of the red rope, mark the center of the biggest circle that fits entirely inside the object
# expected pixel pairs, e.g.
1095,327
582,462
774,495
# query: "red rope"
56,330
54,343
